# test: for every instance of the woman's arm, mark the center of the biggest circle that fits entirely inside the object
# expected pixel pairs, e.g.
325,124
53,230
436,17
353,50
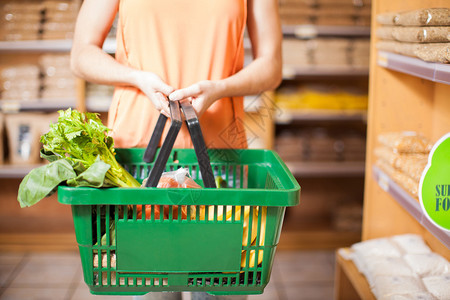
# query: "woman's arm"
90,62
263,73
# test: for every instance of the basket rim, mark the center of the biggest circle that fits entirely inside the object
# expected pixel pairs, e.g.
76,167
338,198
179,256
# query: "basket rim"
288,196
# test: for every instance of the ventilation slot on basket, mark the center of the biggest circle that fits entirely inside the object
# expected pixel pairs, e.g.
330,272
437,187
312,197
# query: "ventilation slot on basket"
237,280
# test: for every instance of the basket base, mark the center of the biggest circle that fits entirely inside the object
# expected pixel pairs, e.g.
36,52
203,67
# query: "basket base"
139,291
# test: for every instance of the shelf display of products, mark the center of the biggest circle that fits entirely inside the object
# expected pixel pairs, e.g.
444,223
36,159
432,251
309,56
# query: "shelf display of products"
401,266
36,20
326,52
325,12
50,80
20,82
321,97
423,33
320,144
58,81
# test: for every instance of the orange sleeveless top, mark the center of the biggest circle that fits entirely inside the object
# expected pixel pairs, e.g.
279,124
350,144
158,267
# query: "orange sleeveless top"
183,42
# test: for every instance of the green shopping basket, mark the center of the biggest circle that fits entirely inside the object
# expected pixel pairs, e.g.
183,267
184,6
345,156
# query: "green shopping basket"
222,241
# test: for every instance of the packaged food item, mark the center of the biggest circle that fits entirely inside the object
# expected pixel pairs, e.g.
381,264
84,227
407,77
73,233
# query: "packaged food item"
20,72
381,247
58,26
22,27
386,45
411,164
23,138
21,94
386,18
55,60
438,286
433,34
433,52
296,52
405,142
56,95
399,177
429,264
177,179
411,244
385,32
388,285
22,7
424,17
174,179
58,82
18,17
61,6
21,84
24,131
385,266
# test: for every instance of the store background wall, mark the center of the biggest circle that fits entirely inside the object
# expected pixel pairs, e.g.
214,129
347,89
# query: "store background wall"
316,119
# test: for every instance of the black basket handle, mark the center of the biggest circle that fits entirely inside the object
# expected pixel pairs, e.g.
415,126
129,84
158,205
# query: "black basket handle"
167,146
199,144
175,126
150,152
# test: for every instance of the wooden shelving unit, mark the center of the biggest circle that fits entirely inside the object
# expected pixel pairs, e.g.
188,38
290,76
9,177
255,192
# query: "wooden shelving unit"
317,230
401,97
47,225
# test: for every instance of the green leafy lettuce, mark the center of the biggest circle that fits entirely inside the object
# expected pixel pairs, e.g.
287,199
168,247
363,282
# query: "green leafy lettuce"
80,153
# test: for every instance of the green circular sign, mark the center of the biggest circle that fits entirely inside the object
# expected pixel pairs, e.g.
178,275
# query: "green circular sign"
434,190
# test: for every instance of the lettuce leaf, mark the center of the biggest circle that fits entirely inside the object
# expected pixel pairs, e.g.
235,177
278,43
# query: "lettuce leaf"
42,180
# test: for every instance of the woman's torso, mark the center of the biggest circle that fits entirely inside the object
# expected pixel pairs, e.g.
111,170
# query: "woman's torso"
183,42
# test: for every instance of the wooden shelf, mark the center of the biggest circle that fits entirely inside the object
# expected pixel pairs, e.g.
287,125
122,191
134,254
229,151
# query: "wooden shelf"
36,46
413,66
321,169
410,204
288,116
358,281
38,105
311,31
109,46
297,72
16,171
